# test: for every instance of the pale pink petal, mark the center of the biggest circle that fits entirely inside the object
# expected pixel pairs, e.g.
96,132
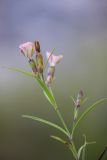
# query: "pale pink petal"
53,59
57,59
27,49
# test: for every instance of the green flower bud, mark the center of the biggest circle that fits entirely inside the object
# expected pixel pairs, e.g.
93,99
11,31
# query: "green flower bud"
33,66
40,64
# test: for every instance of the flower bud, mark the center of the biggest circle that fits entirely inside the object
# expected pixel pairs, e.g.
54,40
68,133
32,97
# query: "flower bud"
27,49
33,66
79,98
40,65
53,60
37,46
50,76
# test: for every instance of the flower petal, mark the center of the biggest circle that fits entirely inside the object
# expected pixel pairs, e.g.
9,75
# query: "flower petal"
53,59
27,49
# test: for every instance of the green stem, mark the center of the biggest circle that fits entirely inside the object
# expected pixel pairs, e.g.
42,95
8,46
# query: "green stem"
73,152
62,121
71,144
72,129
83,154
74,121
73,148
60,116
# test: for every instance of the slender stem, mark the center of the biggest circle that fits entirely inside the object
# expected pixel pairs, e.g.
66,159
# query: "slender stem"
72,149
71,145
83,154
62,121
103,153
72,128
59,115
74,121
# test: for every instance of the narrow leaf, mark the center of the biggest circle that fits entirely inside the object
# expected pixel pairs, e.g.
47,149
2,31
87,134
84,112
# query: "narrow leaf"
84,100
46,122
19,70
52,94
59,139
41,83
47,97
85,113
82,148
47,92
72,99
70,146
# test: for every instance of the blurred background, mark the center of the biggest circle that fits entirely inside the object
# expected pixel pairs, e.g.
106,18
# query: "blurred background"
76,29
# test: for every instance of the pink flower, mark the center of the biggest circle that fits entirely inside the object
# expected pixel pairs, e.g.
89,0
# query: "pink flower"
27,49
53,59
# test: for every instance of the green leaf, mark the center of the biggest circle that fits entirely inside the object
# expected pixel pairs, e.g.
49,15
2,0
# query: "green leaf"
85,113
82,148
47,92
46,122
70,146
59,139
19,70
72,99
47,98
84,100
52,94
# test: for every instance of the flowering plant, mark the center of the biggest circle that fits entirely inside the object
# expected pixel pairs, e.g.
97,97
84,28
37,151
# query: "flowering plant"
32,51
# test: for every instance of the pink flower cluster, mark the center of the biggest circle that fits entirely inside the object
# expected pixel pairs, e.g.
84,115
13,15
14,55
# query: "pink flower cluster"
29,49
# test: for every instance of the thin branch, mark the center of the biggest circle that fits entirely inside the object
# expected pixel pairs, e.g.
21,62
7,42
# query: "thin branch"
103,153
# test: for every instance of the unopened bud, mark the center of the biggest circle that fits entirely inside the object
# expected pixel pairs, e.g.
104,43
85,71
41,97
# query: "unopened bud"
50,76
37,46
40,64
79,98
33,66
80,94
